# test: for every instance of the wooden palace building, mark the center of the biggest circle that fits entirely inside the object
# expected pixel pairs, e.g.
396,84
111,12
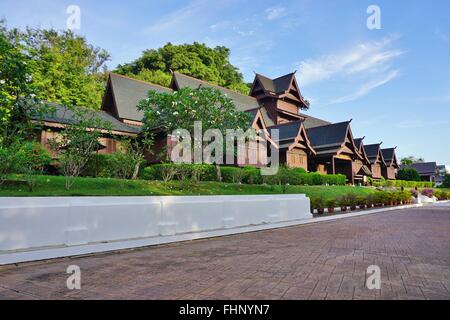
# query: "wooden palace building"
275,104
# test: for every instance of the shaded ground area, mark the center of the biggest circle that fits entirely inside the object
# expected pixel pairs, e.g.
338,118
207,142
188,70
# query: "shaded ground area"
320,261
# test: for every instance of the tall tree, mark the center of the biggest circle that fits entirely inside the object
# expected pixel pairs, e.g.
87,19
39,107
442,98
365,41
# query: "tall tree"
15,73
65,68
196,60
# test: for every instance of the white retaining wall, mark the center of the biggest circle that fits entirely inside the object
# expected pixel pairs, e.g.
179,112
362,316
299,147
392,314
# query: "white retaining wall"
43,228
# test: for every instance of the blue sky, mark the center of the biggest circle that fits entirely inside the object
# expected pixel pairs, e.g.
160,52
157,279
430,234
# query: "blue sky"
394,82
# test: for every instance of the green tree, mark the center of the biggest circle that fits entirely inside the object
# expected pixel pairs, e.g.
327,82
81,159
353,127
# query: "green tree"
410,160
18,101
77,143
65,69
196,60
408,174
446,182
15,73
182,108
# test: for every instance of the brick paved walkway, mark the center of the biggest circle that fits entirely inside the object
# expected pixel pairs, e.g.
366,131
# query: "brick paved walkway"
320,261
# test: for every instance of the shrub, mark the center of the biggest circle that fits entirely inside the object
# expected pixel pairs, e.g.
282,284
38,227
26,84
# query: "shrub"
183,172
99,166
232,174
370,200
408,174
10,160
318,203
33,158
252,175
343,201
298,170
352,199
438,193
428,193
361,201
331,203
446,182
149,173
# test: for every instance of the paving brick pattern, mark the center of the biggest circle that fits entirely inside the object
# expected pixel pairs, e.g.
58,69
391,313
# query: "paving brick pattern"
319,261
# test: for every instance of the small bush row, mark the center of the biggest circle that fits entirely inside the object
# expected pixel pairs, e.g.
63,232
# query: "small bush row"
120,165
169,171
401,183
378,199
245,175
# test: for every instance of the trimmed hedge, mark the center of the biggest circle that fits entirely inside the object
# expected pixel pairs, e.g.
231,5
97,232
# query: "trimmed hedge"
200,172
246,175
403,183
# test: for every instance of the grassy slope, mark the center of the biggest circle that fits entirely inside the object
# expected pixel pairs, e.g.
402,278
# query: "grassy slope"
54,186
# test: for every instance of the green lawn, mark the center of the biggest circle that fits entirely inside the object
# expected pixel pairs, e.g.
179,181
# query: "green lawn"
54,186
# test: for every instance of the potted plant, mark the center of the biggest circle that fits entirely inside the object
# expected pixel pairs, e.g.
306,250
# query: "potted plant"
377,199
343,203
427,192
313,205
395,199
387,199
352,201
369,201
320,205
331,204
362,202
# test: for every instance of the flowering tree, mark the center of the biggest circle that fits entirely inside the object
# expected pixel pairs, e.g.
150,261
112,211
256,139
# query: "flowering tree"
186,106
182,109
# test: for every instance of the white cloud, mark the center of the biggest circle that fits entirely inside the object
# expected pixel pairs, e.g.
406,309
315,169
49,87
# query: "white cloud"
274,13
366,88
177,18
370,57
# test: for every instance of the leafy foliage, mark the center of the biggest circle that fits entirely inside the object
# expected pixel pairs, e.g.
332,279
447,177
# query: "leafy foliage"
408,174
410,160
77,142
446,182
182,108
196,60
58,67
65,68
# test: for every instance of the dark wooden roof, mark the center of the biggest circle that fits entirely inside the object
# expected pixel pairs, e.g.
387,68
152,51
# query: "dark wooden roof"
358,142
374,153
362,149
241,101
329,135
425,168
389,156
330,139
66,115
127,93
287,131
279,85
292,133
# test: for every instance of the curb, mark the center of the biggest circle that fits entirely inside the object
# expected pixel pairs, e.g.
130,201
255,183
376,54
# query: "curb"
367,212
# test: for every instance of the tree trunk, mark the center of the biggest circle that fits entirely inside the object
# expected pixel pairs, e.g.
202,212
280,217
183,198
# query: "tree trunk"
136,172
219,173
